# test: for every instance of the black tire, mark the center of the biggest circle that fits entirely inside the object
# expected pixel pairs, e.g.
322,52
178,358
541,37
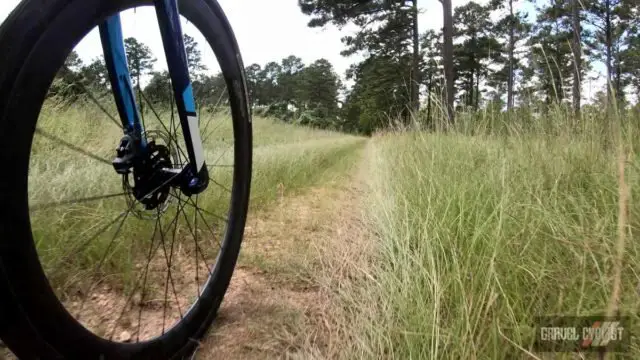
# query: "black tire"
34,43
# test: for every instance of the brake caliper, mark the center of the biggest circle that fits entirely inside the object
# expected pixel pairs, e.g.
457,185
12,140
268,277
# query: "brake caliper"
126,153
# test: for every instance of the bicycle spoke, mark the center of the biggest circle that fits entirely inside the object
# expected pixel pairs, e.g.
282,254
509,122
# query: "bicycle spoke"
168,260
172,137
197,246
104,256
211,166
207,135
72,147
115,325
206,126
221,186
130,297
95,236
195,241
163,184
213,234
73,201
95,101
173,240
208,212
204,220
222,155
144,282
111,243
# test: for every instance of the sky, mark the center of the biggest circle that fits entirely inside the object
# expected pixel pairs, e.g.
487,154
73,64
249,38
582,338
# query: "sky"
266,30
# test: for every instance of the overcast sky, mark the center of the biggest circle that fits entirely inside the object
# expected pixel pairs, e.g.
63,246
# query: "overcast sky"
266,30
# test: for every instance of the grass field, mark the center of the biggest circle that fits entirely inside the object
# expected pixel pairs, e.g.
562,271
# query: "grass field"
472,232
477,235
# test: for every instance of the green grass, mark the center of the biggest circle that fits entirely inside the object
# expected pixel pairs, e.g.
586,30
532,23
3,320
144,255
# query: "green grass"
475,231
477,235
284,156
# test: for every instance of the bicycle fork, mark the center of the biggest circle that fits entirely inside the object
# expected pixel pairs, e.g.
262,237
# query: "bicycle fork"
193,177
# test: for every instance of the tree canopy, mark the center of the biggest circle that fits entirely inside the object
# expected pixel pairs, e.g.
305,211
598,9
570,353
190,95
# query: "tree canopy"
486,55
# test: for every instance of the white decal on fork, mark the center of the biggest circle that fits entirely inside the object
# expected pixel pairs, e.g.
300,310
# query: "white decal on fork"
196,141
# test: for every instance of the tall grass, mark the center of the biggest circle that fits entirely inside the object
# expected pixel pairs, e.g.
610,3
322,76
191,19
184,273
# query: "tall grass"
480,229
285,156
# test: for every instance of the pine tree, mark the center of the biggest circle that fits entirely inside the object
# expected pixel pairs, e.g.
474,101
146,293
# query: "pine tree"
612,21
551,55
478,45
432,69
510,30
388,29
139,59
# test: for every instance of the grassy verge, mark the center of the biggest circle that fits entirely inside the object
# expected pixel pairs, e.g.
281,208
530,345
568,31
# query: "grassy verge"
477,235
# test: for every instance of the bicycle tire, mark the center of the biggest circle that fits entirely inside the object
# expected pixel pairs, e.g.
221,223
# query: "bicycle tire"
33,322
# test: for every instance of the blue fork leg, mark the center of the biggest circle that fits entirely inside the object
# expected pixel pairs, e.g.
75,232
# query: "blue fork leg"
116,61
171,31
196,176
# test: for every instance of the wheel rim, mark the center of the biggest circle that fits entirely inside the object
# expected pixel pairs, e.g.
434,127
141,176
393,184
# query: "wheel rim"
116,275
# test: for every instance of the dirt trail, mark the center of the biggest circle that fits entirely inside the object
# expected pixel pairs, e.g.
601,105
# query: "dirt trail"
279,302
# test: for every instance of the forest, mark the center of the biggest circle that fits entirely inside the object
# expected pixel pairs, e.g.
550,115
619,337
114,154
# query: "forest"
486,57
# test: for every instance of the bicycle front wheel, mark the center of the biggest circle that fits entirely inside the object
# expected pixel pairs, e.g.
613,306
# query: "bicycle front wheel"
87,270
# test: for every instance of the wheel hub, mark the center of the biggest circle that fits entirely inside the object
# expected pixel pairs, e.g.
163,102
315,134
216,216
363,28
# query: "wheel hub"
151,184
147,173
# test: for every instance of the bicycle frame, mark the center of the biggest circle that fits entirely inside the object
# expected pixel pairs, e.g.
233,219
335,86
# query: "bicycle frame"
119,76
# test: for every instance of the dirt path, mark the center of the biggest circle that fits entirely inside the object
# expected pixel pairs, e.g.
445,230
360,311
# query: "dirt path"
279,303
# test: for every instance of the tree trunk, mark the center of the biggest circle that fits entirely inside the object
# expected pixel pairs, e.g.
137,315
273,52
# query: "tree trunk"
415,78
475,73
511,50
618,77
140,102
557,77
447,34
608,45
477,91
471,91
429,89
577,56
